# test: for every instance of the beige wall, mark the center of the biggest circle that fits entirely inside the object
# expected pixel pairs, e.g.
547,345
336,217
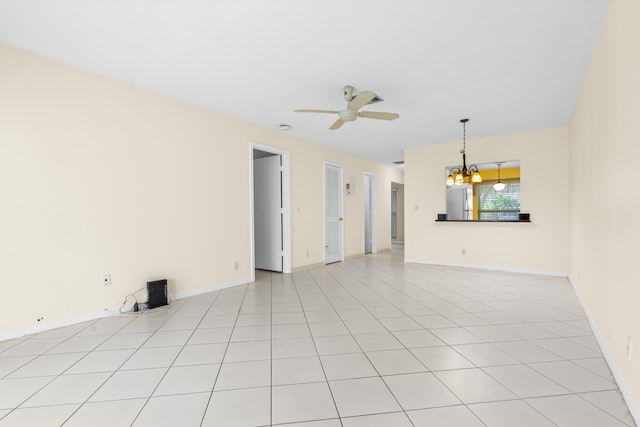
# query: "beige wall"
399,210
604,226
540,246
99,177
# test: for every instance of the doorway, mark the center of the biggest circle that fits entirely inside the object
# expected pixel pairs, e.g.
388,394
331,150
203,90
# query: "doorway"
369,208
270,210
333,225
397,215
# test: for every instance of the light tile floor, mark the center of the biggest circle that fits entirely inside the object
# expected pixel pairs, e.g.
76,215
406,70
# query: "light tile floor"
368,342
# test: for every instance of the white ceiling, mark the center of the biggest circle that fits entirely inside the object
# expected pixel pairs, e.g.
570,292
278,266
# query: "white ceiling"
508,65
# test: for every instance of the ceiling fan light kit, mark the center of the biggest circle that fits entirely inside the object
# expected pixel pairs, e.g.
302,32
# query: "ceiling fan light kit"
352,112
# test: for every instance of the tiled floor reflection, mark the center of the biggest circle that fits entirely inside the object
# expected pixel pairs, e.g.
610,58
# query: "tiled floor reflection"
368,342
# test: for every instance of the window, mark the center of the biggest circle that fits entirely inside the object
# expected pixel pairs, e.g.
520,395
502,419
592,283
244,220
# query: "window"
499,205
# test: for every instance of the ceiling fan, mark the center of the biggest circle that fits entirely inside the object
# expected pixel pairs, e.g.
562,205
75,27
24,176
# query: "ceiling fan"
353,106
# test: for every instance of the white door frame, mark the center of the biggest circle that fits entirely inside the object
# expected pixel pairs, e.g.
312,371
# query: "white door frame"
403,211
286,206
324,207
373,206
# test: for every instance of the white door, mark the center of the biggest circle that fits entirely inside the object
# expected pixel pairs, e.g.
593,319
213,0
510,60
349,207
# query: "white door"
267,191
332,213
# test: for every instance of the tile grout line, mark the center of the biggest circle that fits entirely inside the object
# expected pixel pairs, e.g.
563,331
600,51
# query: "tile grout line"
122,364
365,355
478,367
60,374
333,399
204,414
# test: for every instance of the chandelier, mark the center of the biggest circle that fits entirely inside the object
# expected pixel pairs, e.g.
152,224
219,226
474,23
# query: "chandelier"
464,175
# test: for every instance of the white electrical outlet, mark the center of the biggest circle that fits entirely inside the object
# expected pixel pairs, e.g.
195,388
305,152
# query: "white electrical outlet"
464,252
106,279
236,265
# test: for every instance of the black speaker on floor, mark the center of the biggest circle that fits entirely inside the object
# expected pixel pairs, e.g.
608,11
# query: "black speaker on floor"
157,293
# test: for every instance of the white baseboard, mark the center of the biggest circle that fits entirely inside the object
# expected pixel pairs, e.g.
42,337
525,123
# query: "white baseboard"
209,289
115,311
489,267
30,330
617,375
308,267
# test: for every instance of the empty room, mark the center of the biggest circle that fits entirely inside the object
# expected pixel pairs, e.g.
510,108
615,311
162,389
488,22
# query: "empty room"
319,214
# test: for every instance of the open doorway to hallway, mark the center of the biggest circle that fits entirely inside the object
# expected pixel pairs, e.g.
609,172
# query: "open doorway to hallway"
397,216
270,203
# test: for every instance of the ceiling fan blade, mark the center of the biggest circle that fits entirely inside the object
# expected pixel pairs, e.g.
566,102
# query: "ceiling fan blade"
337,124
361,100
378,115
316,111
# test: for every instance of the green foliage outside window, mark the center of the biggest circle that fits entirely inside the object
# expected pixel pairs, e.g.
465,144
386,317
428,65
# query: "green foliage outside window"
499,205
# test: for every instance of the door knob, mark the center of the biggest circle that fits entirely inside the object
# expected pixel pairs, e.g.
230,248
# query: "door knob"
340,219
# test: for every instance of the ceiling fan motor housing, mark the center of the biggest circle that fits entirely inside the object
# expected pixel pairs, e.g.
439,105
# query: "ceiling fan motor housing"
348,93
